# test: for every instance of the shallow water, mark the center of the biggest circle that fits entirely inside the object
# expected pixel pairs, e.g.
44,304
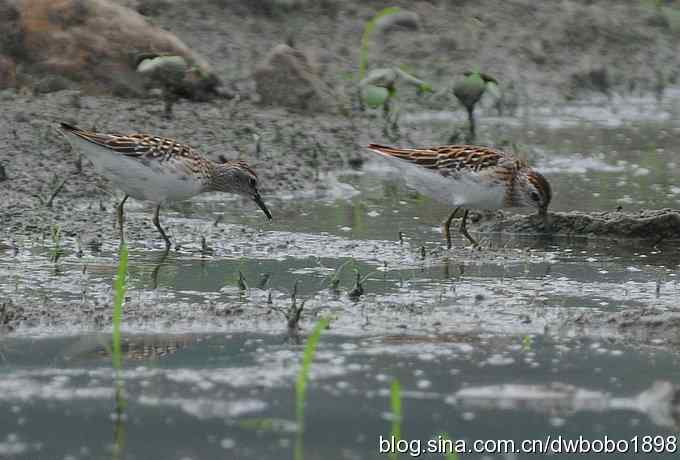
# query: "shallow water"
217,396
486,345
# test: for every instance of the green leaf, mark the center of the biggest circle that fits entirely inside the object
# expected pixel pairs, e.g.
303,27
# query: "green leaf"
374,96
395,403
493,89
370,25
303,376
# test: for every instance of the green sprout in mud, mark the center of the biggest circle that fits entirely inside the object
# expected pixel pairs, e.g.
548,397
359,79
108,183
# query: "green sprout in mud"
56,186
334,278
56,244
119,288
395,403
469,91
301,383
239,279
294,314
358,289
368,29
377,88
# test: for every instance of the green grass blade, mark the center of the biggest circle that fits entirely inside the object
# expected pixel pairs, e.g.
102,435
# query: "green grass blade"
395,403
370,25
303,376
119,287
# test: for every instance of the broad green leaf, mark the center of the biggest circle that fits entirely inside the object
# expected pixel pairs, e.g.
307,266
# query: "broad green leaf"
374,96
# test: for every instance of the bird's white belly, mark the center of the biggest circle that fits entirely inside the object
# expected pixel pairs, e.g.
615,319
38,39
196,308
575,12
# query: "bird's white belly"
152,181
464,189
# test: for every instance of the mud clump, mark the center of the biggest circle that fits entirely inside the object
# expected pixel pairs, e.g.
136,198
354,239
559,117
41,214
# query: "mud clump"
649,325
655,225
10,317
286,78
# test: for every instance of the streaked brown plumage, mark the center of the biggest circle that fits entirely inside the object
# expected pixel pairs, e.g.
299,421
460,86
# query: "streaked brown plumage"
161,170
469,176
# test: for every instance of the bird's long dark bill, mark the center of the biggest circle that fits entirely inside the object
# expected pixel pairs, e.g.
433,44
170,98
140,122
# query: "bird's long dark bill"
263,207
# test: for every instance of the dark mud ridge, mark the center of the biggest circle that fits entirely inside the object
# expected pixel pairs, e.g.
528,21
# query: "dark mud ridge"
647,325
646,224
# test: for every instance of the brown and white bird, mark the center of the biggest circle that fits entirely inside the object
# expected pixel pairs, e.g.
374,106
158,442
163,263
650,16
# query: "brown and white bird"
470,177
161,170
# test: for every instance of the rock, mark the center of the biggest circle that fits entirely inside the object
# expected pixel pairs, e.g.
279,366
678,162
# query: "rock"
170,67
287,79
8,72
91,42
51,84
593,78
400,20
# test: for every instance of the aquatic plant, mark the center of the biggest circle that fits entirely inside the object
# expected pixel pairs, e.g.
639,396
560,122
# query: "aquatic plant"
368,29
469,91
395,404
333,279
56,243
293,315
237,278
56,186
242,284
378,87
119,288
205,249
303,375
358,289
301,383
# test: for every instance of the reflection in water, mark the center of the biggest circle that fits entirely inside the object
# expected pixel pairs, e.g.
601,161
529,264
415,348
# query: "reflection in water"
119,419
301,385
157,268
659,402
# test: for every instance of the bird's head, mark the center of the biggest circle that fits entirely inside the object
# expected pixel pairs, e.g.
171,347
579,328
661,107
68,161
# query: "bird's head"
237,177
534,191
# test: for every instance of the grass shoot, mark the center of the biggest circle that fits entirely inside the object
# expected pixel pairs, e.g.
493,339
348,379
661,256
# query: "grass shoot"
395,403
301,383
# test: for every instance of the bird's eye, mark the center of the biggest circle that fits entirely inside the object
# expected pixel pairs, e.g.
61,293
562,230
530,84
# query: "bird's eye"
534,196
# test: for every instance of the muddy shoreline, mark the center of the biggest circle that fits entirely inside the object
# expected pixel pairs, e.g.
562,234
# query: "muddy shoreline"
298,157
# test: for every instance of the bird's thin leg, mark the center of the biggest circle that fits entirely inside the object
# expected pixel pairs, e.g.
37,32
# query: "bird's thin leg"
121,218
157,223
463,230
447,228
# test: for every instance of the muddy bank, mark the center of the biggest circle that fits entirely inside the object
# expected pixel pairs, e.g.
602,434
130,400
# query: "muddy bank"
653,225
292,151
649,325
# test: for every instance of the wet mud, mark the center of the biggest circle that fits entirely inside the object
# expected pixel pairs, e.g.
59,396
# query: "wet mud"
566,327
652,225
